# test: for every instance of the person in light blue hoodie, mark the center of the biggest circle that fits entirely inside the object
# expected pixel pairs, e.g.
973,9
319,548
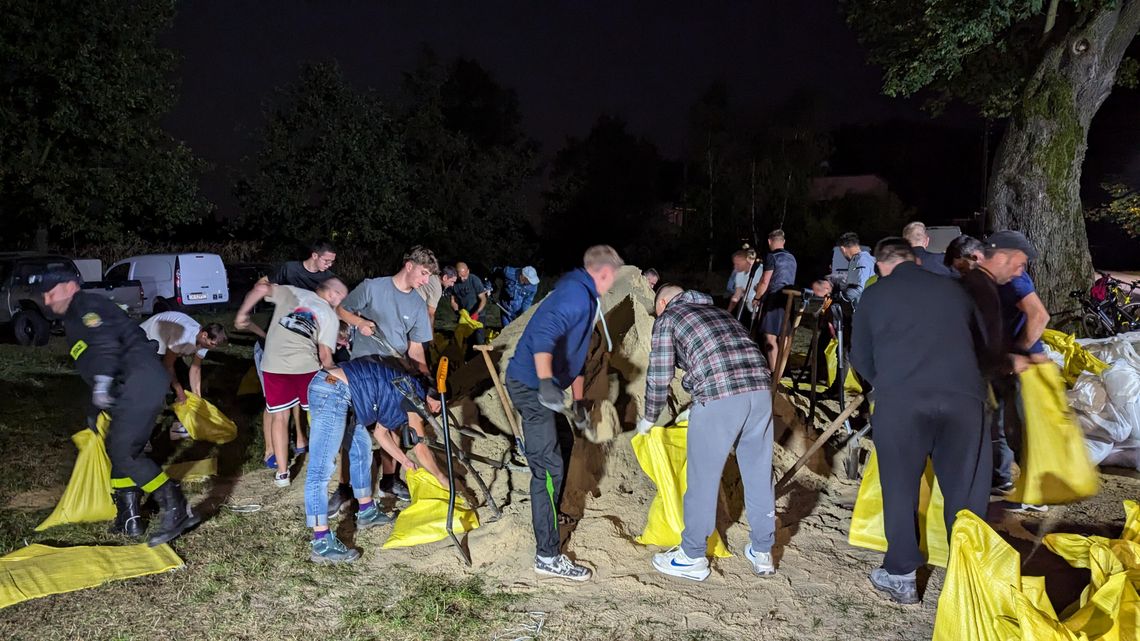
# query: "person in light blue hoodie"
549,359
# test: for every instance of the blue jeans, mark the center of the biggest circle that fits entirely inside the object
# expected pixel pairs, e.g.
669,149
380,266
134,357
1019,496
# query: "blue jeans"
1005,428
329,401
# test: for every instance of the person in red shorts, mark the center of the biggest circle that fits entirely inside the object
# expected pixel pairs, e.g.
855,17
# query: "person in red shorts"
301,340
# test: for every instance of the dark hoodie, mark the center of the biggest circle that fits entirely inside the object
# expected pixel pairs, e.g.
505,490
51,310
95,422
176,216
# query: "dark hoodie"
561,326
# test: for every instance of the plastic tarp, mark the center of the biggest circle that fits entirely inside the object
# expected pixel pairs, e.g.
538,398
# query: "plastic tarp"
87,497
204,421
1108,404
425,520
850,383
41,570
465,328
985,598
867,518
662,454
1055,467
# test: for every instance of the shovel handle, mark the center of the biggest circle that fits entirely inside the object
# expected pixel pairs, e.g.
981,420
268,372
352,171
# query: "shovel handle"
441,376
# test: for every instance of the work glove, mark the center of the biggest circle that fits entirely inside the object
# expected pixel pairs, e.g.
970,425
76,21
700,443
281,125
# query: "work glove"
549,395
644,425
101,392
581,416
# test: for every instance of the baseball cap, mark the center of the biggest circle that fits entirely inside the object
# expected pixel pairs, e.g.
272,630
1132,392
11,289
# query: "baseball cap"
1008,239
41,283
530,274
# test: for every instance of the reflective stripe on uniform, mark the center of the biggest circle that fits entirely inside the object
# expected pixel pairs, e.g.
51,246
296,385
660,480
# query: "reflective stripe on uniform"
155,483
77,350
121,483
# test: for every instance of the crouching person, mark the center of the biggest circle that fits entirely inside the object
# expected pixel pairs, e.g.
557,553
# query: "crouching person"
368,388
732,405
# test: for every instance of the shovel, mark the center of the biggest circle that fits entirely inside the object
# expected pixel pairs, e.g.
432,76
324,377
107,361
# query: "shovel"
441,385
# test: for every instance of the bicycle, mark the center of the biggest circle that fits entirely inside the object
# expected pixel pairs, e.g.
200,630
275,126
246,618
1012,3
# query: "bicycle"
1102,313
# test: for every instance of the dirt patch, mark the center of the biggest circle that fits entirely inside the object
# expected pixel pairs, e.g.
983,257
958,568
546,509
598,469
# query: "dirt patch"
37,499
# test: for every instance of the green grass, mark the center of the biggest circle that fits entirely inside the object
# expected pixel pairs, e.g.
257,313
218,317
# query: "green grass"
247,576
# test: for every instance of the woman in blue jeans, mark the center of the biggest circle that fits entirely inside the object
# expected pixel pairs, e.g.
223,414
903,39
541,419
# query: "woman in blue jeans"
366,386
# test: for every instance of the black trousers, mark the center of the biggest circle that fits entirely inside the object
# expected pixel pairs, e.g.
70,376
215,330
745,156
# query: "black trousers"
951,430
547,444
141,397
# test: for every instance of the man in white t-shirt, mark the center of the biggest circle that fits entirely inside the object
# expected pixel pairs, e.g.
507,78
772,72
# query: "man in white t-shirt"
747,274
178,336
301,340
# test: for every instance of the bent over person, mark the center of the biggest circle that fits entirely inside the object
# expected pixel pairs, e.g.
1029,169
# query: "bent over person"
732,405
177,335
368,388
916,338
549,358
115,358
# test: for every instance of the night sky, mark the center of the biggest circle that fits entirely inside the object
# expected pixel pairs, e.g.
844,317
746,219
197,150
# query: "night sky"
569,62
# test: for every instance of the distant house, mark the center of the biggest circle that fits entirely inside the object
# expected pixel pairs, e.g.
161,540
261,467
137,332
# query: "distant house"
837,187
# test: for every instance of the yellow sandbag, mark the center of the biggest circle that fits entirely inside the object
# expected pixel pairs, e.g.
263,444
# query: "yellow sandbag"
850,383
1103,557
983,577
662,454
250,384
1077,358
425,520
203,421
1131,522
867,518
1111,614
464,329
192,471
87,497
40,570
1055,466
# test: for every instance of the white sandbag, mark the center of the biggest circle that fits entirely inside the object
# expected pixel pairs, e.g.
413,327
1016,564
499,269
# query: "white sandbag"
1098,450
1124,457
1098,417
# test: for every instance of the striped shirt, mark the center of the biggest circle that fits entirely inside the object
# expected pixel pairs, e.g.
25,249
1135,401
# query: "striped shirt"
713,348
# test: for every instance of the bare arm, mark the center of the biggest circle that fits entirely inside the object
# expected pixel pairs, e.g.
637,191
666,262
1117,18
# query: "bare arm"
391,445
1036,319
762,286
168,362
482,303
324,354
362,324
260,290
454,303
544,365
431,319
736,296
196,375
423,453
416,353
578,388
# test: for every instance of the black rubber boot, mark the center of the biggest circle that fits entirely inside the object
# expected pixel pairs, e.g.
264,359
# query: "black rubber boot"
128,513
176,514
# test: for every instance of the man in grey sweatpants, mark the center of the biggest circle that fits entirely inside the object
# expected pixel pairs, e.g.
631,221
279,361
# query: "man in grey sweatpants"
729,380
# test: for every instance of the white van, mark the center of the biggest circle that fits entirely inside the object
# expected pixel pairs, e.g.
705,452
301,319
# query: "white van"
175,281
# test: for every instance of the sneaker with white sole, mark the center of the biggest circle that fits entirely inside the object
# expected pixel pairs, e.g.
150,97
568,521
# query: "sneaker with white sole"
281,479
676,563
761,561
561,567
901,588
372,516
178,431
329,549
1028,508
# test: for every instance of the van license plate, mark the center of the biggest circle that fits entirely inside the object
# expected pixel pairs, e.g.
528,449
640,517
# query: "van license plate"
196,296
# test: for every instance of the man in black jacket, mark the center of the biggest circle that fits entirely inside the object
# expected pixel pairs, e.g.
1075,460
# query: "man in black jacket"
115,358
915,339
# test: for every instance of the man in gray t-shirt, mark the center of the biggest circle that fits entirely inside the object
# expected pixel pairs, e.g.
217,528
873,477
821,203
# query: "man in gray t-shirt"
390,307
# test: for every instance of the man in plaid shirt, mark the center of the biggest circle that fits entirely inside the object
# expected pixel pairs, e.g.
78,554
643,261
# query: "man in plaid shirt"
732,404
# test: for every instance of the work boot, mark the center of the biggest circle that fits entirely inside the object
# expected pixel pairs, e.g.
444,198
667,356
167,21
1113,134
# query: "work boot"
128,513
391,485
176,514
901,588
340,499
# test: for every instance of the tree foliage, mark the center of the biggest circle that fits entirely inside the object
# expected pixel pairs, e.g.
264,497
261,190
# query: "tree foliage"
1122,208
378,176
82,88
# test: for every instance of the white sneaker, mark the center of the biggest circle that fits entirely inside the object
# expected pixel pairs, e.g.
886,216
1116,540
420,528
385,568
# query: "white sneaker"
561,567
178,431
676,563
761,561
281,479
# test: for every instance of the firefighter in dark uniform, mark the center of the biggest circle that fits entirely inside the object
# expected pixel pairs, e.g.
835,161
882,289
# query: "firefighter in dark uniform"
114,357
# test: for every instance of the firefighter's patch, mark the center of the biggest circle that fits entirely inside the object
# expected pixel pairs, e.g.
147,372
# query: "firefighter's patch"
92,320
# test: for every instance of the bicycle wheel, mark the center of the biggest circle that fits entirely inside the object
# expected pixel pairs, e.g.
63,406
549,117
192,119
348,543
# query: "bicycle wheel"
1093,327
1129,318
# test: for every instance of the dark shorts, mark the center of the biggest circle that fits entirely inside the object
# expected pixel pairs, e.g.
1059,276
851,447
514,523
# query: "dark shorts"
772,320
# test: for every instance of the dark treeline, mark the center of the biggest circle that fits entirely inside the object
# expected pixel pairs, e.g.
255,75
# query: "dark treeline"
440,160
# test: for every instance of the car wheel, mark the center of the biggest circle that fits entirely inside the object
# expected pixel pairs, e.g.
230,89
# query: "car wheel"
31,328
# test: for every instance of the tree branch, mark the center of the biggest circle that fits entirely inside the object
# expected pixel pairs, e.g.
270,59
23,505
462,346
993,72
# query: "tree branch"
1050,18
1127,24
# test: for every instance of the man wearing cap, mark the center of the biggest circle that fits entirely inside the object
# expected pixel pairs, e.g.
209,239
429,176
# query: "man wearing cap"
519,288
1015,319
930,402
115,358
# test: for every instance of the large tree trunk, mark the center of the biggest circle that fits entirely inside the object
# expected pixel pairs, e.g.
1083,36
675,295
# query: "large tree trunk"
1037,167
